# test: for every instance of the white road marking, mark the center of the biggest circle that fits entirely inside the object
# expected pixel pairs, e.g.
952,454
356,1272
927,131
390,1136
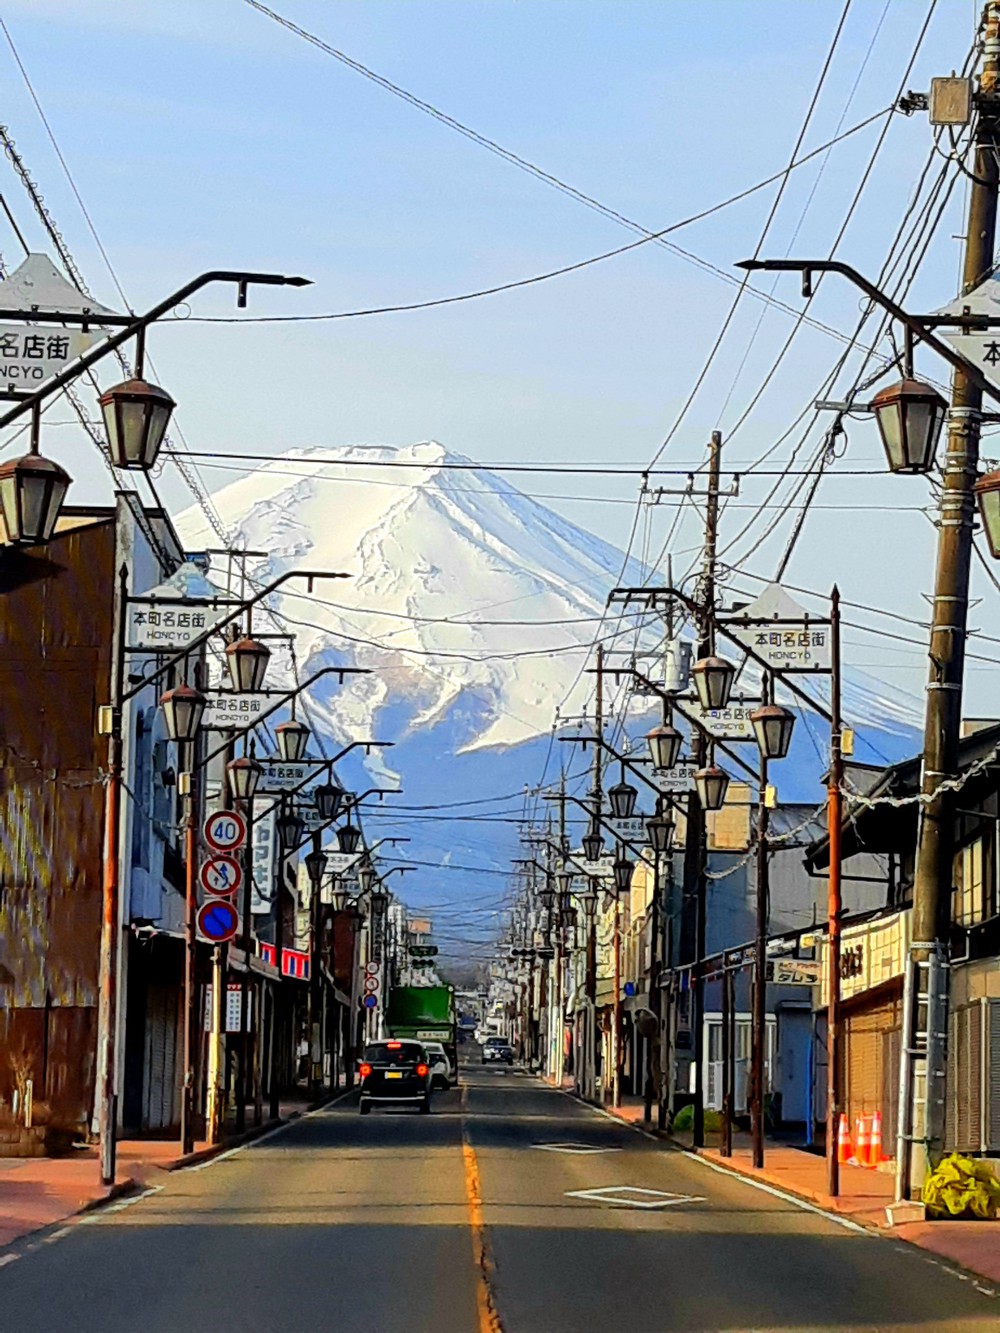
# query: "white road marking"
578,1148
634,1196
263,1138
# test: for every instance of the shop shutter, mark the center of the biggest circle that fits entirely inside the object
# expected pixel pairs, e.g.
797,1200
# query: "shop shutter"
993,1076
964,1104
871,1063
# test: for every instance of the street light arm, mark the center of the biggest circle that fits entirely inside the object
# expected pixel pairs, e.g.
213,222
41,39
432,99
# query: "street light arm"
914,323
636,851
308,574
70,372
282,699
625,762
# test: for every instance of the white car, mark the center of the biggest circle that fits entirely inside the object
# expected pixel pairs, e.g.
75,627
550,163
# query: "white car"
442,1073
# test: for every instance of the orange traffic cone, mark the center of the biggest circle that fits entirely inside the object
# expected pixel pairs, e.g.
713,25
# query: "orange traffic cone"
862,1142
843,1141
875,1146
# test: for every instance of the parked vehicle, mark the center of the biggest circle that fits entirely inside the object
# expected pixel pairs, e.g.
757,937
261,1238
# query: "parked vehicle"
442,1070
394,1071
498,1048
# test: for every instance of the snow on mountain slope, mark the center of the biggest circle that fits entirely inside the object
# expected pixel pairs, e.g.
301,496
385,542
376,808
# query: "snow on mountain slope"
453,577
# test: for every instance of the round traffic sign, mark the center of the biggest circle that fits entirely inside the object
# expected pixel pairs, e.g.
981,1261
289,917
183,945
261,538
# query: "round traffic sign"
372,968
371,983
370,1001
221,875
218,921
225,830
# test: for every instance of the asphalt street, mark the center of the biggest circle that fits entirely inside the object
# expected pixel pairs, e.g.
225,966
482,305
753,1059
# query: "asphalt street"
510,1207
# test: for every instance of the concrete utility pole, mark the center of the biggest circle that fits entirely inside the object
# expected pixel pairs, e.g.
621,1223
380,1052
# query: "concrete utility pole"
695,837
921,1127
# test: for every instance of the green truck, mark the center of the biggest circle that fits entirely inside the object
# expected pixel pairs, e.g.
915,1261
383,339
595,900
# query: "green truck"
424,1013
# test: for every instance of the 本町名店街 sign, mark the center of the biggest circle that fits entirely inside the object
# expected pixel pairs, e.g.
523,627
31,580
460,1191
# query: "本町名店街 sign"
778,630
29,355
232,712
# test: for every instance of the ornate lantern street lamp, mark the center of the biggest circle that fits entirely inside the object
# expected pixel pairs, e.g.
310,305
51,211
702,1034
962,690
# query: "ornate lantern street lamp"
338,895
664,746
243,776
367,877
289,826
623,874
32,490
348,838
329,800
292,739
660,830
712,783
988,495
183,708
622,798
247,664
136,415
593,845
713,679
773,726
909,415
315,864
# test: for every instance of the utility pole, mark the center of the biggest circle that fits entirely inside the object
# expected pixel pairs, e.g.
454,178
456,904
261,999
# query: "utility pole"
315,1025
921,1126
188,1098
593,1036
834,816
695,843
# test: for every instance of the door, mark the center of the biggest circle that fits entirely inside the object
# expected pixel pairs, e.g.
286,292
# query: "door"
794,1027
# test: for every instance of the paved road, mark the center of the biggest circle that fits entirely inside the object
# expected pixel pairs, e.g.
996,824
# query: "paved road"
463,1222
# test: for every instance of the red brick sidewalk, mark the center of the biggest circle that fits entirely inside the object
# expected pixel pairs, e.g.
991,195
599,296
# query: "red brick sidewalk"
863,1197
37,1192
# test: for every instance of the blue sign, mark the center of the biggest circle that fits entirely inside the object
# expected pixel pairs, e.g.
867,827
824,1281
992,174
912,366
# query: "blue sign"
630,988
218,921
370,1001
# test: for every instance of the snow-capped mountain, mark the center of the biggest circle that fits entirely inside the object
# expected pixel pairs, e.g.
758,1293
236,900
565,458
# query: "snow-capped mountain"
475,608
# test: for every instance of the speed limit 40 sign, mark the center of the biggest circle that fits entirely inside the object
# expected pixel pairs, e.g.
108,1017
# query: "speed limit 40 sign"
225,830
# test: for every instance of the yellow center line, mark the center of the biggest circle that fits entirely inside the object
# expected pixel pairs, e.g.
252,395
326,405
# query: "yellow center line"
489,1320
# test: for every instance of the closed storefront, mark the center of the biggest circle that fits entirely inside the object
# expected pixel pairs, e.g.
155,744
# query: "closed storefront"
972,1121
871,1047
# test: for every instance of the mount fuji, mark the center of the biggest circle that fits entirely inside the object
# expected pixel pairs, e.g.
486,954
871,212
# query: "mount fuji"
475,609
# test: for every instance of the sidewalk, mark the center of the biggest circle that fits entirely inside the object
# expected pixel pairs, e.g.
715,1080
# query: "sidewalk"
37,1192
974,1246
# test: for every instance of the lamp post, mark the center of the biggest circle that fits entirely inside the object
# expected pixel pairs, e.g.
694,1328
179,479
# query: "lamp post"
183,707
243,776
315,863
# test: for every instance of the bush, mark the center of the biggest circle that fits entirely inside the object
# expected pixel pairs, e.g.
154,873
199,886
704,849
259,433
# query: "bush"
684,1119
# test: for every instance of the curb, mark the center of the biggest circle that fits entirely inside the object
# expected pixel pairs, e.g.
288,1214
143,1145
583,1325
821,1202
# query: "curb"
249,1135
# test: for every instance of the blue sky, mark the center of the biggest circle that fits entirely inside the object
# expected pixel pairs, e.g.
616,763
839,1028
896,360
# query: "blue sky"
201,134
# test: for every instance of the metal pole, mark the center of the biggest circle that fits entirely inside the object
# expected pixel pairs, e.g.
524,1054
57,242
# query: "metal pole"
654,1060
760,973
315,999
110,931
695,849
616,1045
726,1147
834,815
190,947
246,943
935,840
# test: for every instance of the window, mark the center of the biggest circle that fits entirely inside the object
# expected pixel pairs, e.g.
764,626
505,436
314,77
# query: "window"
970,884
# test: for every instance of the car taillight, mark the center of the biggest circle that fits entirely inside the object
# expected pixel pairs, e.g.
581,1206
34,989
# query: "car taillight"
422,1070
365,1070
394,1045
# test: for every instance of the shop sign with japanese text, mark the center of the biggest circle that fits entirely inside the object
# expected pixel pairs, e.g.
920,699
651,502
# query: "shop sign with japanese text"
232,712
29,355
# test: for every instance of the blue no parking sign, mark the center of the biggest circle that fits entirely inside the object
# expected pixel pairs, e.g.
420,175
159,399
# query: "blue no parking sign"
218,921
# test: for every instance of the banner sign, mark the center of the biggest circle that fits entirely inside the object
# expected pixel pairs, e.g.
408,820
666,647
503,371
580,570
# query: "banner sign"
30,355
227,711
777,629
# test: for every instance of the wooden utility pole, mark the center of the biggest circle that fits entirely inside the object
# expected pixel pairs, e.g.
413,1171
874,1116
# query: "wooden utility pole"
921,1126
695,848
834,817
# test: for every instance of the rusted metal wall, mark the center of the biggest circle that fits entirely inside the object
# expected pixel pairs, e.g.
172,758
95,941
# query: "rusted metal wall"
55,651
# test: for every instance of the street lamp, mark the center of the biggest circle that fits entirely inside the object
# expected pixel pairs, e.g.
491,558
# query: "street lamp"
622,798
329,799
32,490
772,726
292,738
289,826
593,845
623,874
367,876
909,415
664,746
182,707
136,415
660,831
348,838
713,679
338,895
380,901
564,880
712,783
243,775
247,664
315,864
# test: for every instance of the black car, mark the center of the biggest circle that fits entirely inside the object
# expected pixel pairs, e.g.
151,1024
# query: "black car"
395,1071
